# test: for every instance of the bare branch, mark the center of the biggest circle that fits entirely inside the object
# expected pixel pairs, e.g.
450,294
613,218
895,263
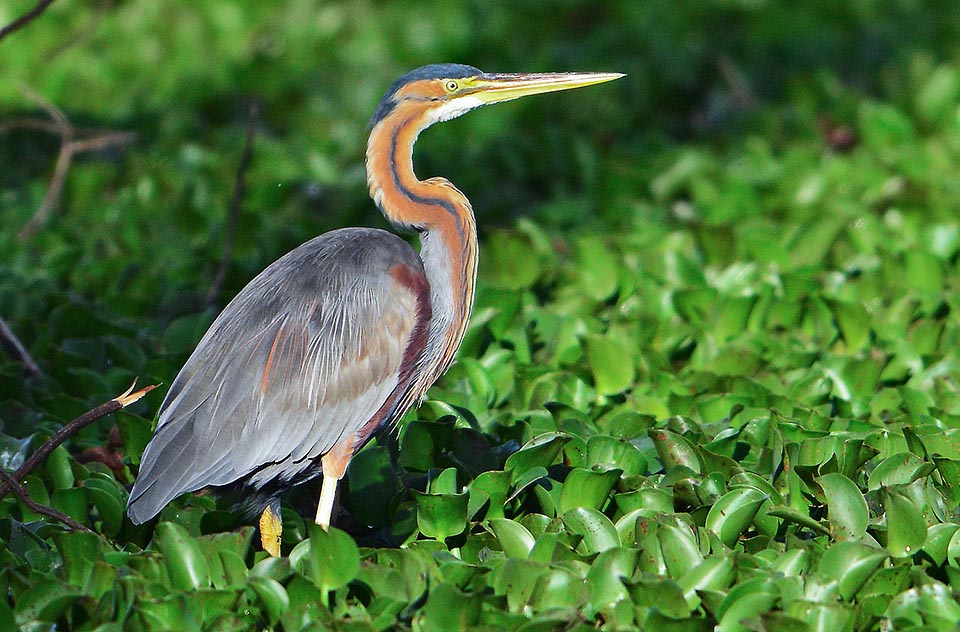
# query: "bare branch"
29,123
15,349
92,140
111,406
26,18
36,507
236,204
63,124
104,141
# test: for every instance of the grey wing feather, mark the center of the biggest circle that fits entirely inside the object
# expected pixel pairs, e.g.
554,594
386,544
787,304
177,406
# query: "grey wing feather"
305,355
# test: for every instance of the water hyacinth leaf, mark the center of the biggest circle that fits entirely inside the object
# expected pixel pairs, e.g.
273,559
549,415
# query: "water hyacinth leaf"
182,557
495,485
906,528
57,467
611,362
611,452
448,608
440,516
79,550
597,531
559,588
331,559
271,595
598,268
715,573
110,499
541,451
664,595
938,540
846,506
794,562
898,469
674,449
606,575
514,538
854,322
679,547
799,518
821,617
850,564
45,601
631,526
732,514
740,606
515,579
886,581
587,488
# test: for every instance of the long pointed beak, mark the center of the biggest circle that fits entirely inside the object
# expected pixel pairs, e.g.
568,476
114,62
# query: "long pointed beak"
495,88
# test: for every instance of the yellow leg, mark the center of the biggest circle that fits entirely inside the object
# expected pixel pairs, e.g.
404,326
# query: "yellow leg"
270,530
335,464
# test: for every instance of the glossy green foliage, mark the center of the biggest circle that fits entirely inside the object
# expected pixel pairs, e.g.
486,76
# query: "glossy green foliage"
711,377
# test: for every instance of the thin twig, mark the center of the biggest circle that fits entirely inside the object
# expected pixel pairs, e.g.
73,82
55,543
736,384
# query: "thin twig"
15,349
236,204
35,507
111,406
71,144
26,18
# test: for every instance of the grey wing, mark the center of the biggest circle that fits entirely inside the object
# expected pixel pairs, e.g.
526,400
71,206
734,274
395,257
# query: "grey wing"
305,356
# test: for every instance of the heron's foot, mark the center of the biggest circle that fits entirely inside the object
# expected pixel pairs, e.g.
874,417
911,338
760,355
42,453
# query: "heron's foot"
271,527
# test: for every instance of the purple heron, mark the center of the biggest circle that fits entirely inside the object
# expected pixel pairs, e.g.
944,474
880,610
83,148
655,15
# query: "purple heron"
340,337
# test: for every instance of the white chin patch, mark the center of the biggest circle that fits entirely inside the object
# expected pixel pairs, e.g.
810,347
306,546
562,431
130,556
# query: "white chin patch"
454,108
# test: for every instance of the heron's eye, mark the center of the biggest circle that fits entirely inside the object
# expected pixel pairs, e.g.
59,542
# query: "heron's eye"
451,86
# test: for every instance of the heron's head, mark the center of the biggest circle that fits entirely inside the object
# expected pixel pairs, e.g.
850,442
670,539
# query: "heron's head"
445,91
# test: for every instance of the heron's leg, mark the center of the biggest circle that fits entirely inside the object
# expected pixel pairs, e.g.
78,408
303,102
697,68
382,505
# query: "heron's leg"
271,527
334,464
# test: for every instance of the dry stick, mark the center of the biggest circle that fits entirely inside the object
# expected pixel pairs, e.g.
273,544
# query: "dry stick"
111,406
236,204
70,146
43,510
26,18
15,349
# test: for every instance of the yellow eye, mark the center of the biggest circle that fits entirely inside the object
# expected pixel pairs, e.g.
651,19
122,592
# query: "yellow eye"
451,86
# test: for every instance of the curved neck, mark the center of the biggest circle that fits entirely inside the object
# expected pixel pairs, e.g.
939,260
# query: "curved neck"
445,221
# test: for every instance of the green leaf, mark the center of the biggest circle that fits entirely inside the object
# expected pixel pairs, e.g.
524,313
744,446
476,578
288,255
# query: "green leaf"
674,449
906,528
182,557
611,361
515,540
732,514
110,499
441,516
587,488
598,268
541,451
597,531
330,558
851,565
272,597
846,507
610,452
713,574
679,547
898,469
